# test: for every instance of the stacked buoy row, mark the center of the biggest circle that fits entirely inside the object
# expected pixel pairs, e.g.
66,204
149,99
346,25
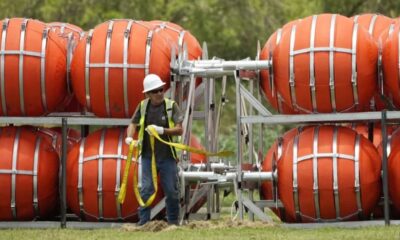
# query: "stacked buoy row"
29,171
29,174
50,67
330,63
106,65
324,64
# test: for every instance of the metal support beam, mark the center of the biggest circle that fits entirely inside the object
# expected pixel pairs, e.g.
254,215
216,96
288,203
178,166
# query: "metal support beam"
63,197
256,210
385,169
239,153
157,208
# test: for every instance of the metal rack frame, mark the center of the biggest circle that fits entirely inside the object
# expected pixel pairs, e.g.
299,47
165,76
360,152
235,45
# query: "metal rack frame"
209,68
184,74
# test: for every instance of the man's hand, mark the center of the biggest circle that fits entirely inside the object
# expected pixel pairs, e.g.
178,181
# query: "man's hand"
159,130
129,140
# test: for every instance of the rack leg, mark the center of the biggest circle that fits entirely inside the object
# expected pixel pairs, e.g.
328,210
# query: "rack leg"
63,198
385,169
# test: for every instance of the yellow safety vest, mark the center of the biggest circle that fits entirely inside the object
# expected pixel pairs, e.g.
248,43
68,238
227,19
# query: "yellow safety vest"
168,108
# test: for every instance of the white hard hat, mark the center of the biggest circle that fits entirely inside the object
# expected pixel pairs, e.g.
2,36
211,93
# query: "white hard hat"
151,82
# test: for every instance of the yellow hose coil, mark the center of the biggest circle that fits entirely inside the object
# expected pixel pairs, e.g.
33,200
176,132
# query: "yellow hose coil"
134,149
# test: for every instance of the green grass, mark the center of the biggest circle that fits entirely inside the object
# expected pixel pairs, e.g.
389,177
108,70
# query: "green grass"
268,232
222,228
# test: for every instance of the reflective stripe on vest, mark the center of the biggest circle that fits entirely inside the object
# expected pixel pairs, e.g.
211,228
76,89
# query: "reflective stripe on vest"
168,108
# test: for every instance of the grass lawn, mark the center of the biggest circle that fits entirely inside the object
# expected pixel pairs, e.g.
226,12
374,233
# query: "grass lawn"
187,233
223,228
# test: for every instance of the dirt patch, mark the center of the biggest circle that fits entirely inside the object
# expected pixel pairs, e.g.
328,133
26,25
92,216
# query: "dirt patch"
215,224
157,226
153,226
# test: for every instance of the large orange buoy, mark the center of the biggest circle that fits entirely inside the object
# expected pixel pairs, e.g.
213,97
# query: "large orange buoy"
390,63
196,157
375,24
268,85
325,63
376,135
329,173
178,36
70,35
28,176
393,153
32,69
269,189
95,169
393,141
110,63
385,94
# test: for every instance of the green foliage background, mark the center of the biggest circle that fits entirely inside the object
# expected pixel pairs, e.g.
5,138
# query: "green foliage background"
231,28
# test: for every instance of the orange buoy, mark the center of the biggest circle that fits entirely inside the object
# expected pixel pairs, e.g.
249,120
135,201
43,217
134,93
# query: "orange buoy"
376,25
393,140
95,169
32,69
178,36
269,189
70,35
268,84
28,176
390,63
329,173
195,157
383,88
110,63
393,153
376,132
317,65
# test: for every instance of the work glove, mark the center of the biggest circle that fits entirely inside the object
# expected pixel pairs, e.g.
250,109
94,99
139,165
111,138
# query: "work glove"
159,130
129,140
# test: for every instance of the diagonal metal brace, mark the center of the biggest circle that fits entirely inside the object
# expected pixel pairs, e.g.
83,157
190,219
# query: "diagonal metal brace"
256,210
254,102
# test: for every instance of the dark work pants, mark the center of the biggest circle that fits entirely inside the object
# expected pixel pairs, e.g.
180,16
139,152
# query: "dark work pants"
168,171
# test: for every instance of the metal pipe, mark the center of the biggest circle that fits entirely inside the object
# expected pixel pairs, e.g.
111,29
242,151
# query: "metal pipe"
199,176
259,176
213,166
203,72
230,176
229,65
217,68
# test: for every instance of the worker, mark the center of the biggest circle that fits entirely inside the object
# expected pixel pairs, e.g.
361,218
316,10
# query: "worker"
166,118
